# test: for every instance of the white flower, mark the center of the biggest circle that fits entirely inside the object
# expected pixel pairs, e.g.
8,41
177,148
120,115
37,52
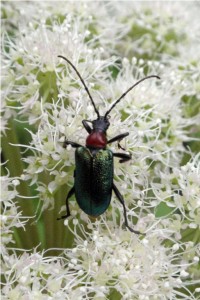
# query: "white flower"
143,268
10,217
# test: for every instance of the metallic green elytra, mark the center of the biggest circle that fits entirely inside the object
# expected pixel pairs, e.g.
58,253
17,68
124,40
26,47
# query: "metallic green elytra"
93,176
93,180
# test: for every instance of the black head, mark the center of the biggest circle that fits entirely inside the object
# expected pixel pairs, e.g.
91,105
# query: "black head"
102,121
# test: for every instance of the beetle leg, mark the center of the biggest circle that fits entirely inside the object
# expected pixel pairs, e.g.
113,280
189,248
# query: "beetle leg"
73,144
121,199
71,192
124,157
86,126
118,138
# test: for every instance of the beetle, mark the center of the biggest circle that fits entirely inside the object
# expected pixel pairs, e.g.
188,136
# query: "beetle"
94,168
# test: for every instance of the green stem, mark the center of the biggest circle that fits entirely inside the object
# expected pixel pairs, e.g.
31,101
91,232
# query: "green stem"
57,235
15,165
49,218
58,228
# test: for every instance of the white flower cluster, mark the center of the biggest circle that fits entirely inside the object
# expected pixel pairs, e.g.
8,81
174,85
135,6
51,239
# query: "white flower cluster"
103,265
112,44
11,217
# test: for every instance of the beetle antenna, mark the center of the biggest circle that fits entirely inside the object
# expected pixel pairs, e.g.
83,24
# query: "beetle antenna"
86,88
125,93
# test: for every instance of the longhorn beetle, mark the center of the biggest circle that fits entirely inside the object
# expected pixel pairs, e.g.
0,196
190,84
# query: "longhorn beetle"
93,176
